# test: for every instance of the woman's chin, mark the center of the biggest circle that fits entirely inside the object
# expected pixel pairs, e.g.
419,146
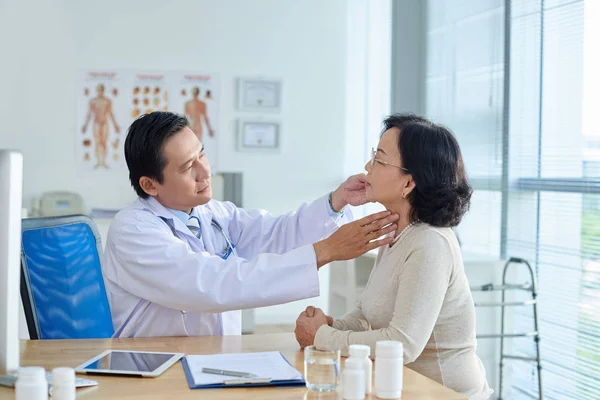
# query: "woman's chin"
370,195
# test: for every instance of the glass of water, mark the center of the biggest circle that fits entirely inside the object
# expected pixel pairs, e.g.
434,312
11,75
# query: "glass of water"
321,369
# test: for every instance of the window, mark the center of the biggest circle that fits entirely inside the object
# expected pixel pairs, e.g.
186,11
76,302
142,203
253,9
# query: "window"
464,84
557,196
534,161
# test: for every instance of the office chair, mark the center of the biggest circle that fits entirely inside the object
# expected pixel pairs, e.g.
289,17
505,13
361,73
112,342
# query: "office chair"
62,287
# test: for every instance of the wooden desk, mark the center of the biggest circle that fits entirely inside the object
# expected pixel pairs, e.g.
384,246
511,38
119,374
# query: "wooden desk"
173,385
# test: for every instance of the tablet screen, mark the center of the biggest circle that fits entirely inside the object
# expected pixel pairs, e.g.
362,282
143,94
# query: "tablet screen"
129,361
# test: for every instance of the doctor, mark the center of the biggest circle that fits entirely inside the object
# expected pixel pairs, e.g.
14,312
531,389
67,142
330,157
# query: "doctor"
177,263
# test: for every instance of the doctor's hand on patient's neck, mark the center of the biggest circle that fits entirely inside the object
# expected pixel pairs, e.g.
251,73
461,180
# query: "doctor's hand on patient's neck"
356,238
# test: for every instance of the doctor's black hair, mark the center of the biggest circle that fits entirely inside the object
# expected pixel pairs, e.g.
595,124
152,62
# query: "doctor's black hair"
143,146
431,154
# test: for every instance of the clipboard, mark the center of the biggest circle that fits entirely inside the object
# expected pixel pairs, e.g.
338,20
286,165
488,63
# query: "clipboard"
240,382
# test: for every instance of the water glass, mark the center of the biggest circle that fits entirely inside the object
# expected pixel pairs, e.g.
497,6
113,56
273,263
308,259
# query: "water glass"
321,369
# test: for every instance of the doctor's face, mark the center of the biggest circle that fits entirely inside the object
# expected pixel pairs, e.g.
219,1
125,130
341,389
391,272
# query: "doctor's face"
186,176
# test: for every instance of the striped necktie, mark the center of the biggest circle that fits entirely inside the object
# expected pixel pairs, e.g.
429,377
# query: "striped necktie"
194,226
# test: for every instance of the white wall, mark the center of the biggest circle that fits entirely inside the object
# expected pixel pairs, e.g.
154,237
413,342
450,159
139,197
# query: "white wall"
301,42
43,44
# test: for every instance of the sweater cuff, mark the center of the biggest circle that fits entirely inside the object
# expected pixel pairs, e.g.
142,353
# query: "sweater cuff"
328,338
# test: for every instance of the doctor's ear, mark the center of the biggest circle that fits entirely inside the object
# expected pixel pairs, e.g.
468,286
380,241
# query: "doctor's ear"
148,186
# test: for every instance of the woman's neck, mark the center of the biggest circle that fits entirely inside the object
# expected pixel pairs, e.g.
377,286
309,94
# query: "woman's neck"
403,211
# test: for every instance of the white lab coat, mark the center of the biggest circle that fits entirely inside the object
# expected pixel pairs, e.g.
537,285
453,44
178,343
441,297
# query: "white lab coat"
163,281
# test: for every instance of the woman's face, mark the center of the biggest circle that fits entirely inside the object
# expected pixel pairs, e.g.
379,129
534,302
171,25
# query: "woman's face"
387,182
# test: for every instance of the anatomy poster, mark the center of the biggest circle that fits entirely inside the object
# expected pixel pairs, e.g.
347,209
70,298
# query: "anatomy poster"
195,96
101,119
109,101
149,93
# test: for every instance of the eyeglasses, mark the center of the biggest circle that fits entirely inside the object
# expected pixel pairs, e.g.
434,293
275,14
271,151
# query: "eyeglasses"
373,159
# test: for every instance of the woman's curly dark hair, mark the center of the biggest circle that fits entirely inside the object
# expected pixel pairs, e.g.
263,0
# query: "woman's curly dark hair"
431,154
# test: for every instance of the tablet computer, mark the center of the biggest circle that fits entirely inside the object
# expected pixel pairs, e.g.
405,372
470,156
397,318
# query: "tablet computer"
125,362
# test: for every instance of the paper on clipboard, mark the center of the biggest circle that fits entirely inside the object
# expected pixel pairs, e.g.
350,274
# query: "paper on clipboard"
269,364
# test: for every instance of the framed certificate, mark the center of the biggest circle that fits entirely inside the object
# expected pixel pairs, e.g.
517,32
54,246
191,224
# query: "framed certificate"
257,94
259,136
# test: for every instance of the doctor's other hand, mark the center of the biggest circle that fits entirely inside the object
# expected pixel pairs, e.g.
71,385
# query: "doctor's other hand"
312,311
353,192
356,238
307,327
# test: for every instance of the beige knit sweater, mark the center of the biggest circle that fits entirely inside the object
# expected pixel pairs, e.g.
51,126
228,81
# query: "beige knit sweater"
418,294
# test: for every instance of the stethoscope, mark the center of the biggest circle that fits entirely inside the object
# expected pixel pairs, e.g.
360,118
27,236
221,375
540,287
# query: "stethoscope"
230,249
230,246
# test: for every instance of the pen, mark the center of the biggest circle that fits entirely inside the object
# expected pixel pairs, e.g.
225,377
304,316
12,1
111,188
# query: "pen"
225,372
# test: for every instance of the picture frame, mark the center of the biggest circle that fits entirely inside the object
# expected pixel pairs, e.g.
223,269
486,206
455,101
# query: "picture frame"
257,135
259,94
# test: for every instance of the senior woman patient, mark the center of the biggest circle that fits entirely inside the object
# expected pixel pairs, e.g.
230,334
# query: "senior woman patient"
418,292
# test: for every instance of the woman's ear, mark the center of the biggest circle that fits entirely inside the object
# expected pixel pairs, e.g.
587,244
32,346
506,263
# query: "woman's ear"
409,186
148,186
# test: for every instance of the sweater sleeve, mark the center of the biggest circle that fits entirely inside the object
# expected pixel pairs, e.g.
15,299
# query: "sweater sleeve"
423,282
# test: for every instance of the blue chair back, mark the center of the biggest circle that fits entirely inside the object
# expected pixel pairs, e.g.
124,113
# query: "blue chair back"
62,287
